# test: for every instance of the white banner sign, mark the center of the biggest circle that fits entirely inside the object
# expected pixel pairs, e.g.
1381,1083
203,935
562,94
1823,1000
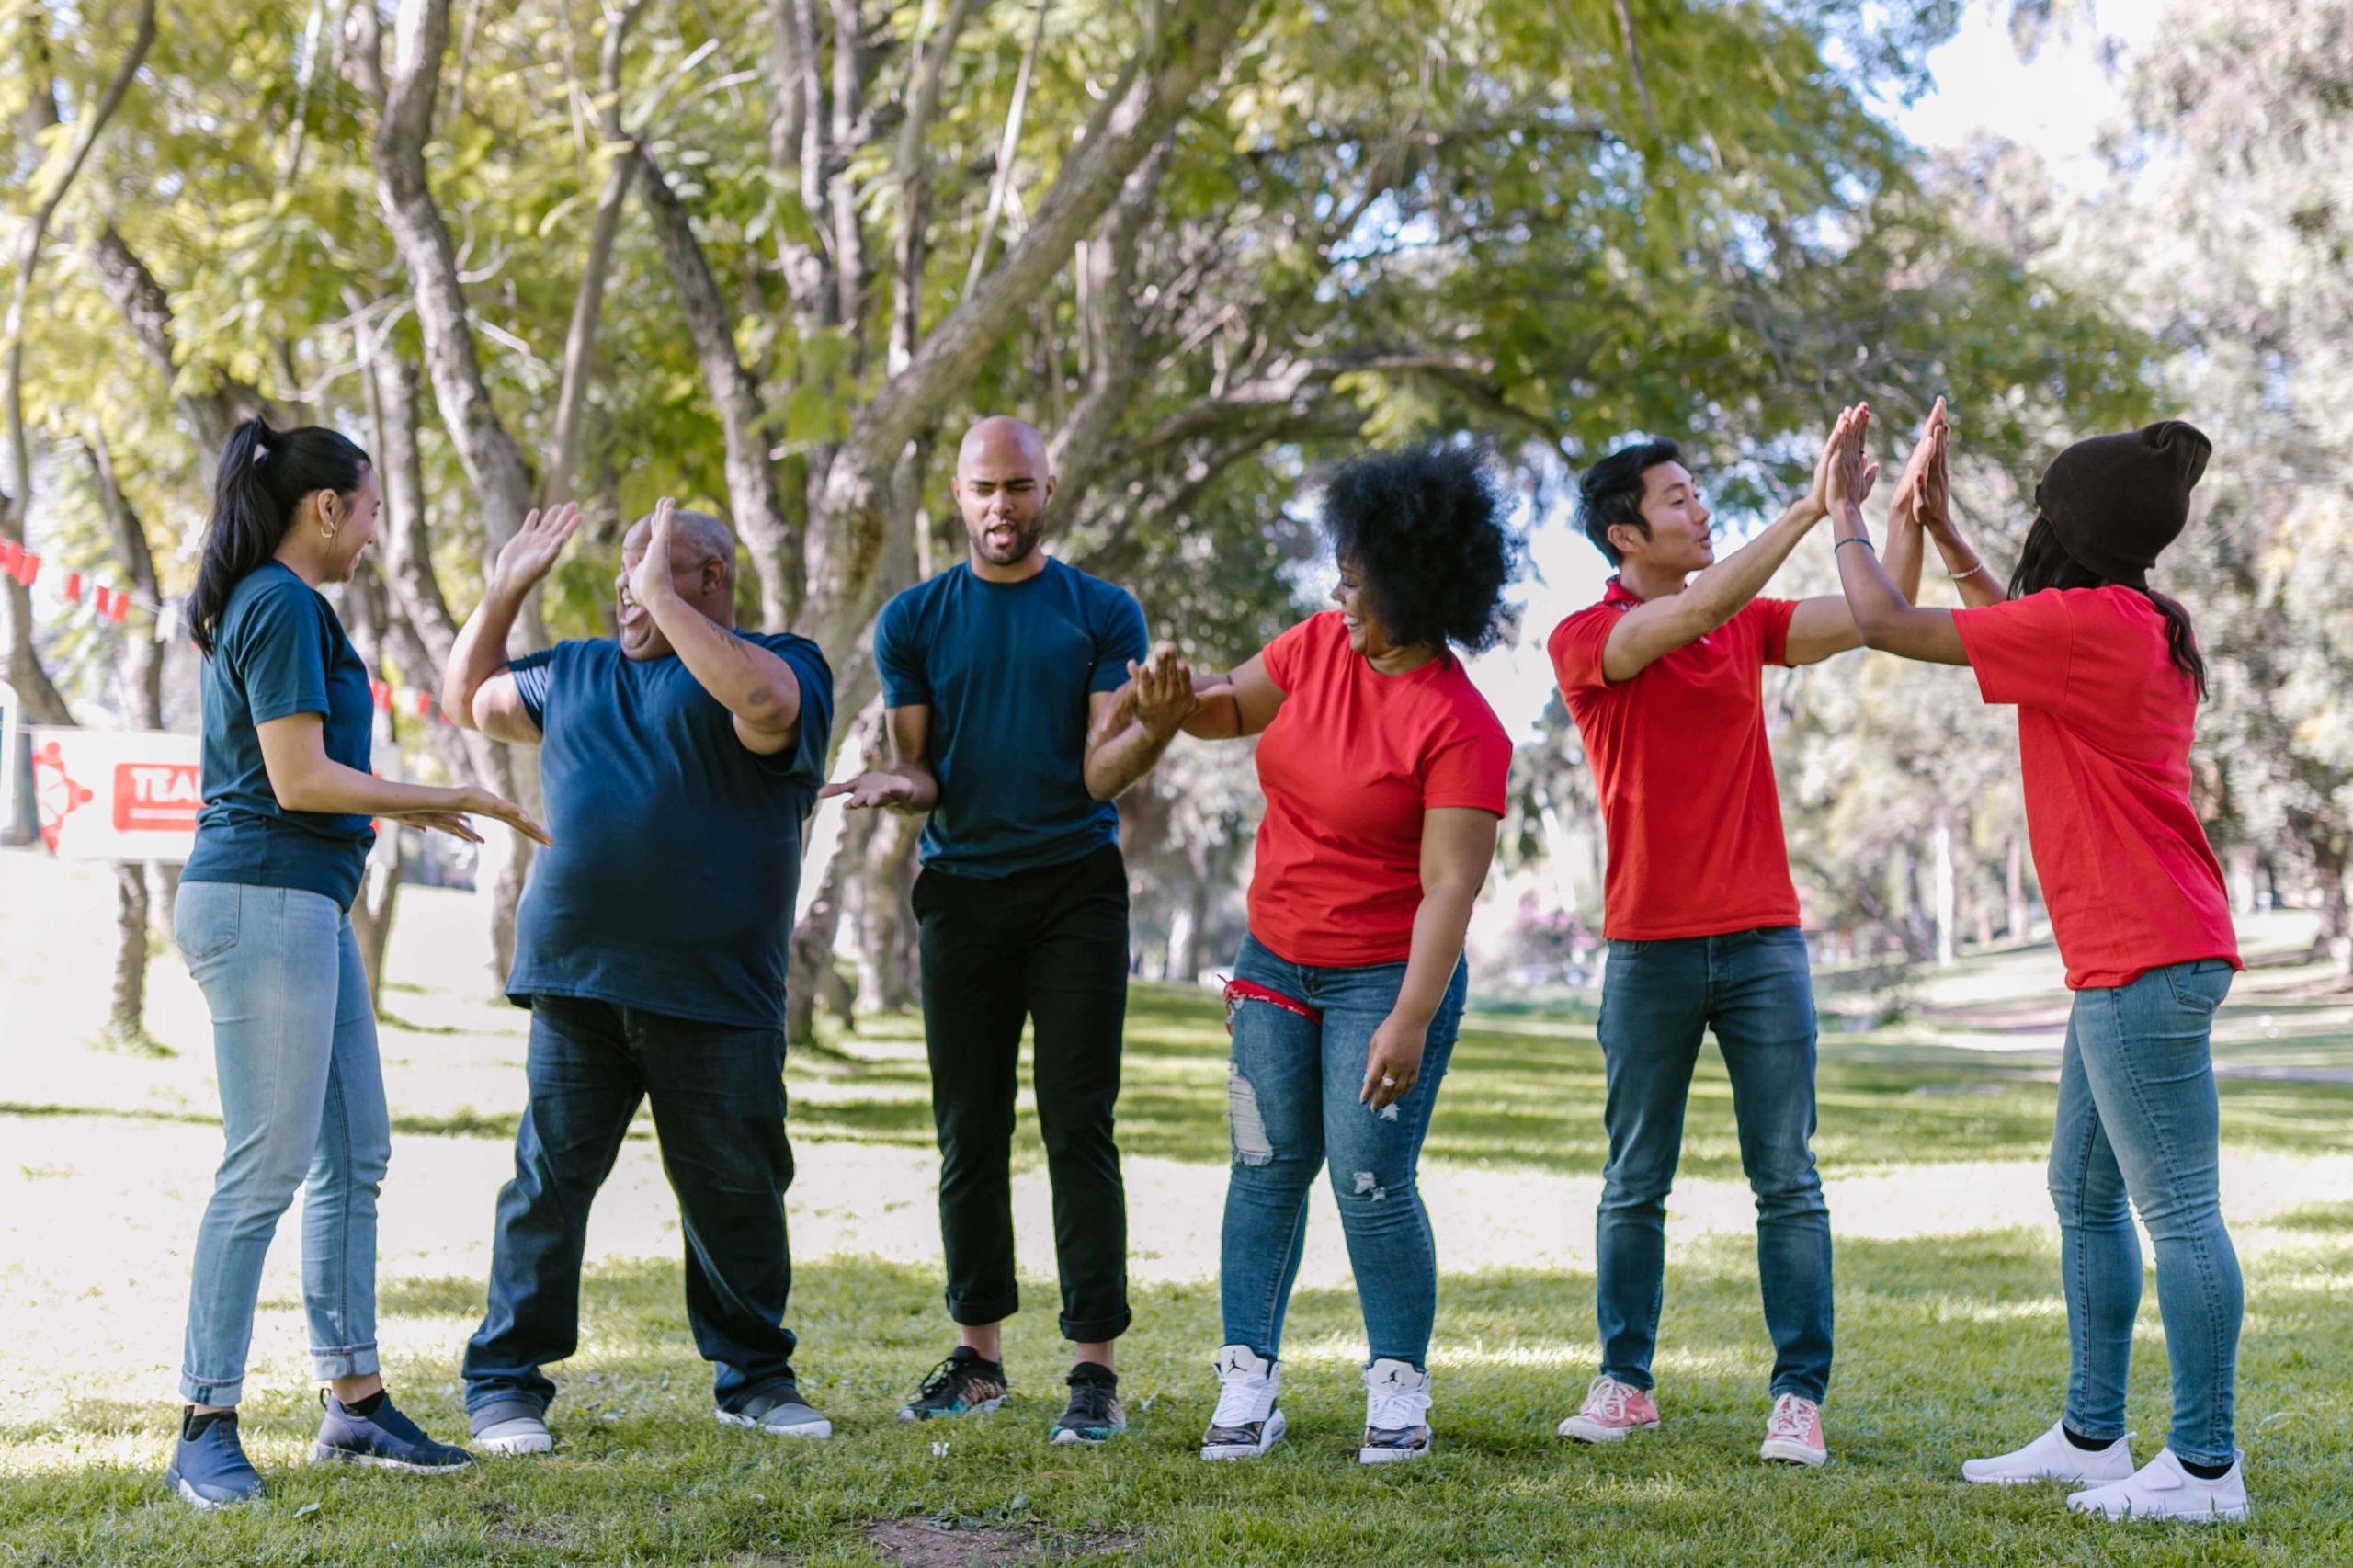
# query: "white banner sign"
116,795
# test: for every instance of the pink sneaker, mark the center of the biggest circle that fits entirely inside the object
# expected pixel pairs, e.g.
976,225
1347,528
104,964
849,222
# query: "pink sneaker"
1793,1432
1611,1410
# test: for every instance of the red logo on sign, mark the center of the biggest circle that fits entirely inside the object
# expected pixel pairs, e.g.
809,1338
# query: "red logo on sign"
156,797
59,796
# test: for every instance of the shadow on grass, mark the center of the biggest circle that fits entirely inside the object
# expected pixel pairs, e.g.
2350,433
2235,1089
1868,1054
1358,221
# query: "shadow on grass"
1947,1346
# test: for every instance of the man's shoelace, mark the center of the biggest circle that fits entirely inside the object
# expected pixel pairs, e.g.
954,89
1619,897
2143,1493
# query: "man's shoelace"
1790,1417
1090,1402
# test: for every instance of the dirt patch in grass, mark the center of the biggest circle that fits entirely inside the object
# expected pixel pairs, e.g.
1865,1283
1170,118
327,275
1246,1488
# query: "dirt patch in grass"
930,1543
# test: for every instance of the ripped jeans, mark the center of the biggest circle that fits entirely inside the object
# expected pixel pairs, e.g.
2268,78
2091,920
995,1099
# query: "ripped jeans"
1295,1108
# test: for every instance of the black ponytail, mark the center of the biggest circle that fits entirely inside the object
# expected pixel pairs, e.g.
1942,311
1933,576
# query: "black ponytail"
263,476
2043,563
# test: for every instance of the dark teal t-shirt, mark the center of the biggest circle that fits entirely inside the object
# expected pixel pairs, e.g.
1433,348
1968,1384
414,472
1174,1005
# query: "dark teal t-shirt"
280,651
676,861
1006,669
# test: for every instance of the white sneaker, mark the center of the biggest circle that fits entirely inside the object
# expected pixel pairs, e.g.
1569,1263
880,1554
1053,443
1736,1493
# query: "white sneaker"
2052,1457
1246,1424
2163,1489
1396,1411
511,1427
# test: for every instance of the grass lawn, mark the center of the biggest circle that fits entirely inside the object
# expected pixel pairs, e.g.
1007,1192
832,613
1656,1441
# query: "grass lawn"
1949,1345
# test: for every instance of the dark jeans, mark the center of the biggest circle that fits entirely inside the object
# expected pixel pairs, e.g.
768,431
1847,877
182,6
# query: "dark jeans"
1049,945
1657,999
718,1096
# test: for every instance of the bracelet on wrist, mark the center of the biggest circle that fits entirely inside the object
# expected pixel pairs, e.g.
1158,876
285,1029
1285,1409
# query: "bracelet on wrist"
1855,539
1972,572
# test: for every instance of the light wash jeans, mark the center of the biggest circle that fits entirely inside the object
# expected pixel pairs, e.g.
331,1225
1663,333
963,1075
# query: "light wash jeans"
2138,1127
1752,990
1294,1111
302,1093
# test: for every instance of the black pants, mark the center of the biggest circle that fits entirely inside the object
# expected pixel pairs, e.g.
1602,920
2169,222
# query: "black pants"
718,1094
1051,945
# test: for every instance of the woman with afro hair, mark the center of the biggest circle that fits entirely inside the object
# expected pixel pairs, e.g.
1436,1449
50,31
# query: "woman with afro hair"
1384,772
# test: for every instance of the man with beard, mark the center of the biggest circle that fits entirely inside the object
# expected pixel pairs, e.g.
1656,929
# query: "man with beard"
681,759
999,678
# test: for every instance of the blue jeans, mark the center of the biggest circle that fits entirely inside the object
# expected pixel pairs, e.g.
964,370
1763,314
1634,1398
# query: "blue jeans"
2138,1121
718,1098
1294,1099
301,1097
1657,999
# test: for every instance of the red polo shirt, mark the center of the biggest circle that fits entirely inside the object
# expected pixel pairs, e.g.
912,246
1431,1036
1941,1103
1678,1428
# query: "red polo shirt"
1679,754
2103,731
1352,760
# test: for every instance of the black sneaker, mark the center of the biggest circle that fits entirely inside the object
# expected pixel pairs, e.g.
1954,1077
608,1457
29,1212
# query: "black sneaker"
208,1466
1094,1415
965,1384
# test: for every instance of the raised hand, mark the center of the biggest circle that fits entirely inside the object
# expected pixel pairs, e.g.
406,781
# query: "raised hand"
1849,472
649,580
1924,494
532,552
1163,696
869,790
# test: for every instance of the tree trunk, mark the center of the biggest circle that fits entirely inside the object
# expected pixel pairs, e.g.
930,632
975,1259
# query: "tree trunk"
886,979
371,912
2014,887
1941,880
127,1016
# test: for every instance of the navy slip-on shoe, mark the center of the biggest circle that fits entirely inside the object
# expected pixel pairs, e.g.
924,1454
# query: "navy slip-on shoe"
383,1437
209,1469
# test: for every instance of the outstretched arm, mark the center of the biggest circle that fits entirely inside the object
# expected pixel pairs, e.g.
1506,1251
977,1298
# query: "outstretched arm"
908,785
1885,617
1243,701
477,688
1129,728
1651,631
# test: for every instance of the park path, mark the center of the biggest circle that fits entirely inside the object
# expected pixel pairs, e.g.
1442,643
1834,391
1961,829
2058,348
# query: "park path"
97,1213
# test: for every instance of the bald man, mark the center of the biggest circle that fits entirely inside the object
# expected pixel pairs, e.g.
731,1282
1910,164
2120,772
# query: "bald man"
998,677
680,761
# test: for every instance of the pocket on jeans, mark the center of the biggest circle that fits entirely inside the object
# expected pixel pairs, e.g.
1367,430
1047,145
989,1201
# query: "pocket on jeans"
205,919
2202,985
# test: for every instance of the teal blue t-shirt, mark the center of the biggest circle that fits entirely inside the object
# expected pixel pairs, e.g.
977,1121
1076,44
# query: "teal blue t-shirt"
280,651
677,858
1006,669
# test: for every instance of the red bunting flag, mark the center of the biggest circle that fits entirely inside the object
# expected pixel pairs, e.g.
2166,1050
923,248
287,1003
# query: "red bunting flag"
383,692
9,553
423,704
120,610
27,568
74,591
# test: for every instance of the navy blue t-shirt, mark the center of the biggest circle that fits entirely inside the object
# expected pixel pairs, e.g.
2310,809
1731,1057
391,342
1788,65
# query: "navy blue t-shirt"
280,651
1006,669
676,861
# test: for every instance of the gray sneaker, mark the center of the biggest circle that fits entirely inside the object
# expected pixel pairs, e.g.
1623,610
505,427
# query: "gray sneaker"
510,1426
779,1412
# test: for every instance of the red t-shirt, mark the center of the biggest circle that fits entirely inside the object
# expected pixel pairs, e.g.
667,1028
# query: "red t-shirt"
1352,760
2103,731
1688,807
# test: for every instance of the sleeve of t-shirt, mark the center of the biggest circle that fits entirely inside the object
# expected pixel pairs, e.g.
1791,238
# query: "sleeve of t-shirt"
805,763
534,678
898,656
1767,621
1576,647
1121,637
1470,767
1282,657
2020,649
282,652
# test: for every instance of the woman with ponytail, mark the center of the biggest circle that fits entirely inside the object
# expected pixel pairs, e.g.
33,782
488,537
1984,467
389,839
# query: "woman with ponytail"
263,919
2106,676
